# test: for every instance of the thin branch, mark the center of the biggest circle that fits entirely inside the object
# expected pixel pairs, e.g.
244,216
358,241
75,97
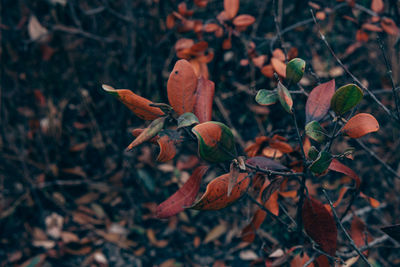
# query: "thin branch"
270,172
375,242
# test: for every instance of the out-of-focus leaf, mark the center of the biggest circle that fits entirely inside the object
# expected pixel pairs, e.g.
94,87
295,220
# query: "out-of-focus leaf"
320,225
393,231
271,189
345,98
360,125
315,131
248,233
204,99
137,104
215,141
181,87
243,20
36,31
147,180
216,195
337,166
184,197
215,233
377,5
321,163
152,130
187,119
295,70
318,101
279,67
389,26
231,8
285,98
300,261
266,164
372,201
266,97
359,233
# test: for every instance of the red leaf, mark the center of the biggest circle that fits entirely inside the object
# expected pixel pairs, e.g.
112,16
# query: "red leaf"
204,99
216,195
181,87
167,149
184,197
359,233
279,67
319,101
360,125
337,166
231,8
389,26
320,225
377,6
243,20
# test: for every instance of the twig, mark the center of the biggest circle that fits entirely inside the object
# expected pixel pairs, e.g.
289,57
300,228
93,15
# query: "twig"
270,172
278,32
375,242
83,33
323,38
353,245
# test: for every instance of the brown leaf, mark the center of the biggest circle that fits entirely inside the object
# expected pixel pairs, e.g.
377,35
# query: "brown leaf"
152,130
359,233
231,8
320,225
233,176
181,87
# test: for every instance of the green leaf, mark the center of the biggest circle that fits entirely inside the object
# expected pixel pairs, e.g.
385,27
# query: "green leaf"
315,131
345,98
215,141
152,130
313,153
285,98
321,163
266,97
295,70
187,119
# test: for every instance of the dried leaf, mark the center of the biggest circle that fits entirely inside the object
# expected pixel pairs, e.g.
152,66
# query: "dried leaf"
184,197
152,130
318,101
360,125
233,176
36,31
266,164
215,233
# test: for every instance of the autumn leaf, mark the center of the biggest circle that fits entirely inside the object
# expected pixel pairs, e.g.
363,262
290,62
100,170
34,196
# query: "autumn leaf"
167,149
265,164
315,131
243,20
215,141
389,26
359,233
320,225
152,130
231,8
137,104
377,5
318,101
248,232
204,99
184,197
285,98
360,125
181,87
216,195
233,176
279,67
337,166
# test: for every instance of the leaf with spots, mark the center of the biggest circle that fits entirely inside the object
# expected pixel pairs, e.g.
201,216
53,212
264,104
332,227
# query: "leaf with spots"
181,87
137,104
216,195
215,141
184,197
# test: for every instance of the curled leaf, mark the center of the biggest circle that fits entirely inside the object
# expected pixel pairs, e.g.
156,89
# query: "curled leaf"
345,98
233,176
285,98
320,225
216,195
152,130
181,87
137,104
187,119
184,197
204,99
167,149
318,101
266,97
360,125
215,141
337,166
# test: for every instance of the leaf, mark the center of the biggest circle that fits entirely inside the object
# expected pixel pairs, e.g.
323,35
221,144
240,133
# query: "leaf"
187,119
360,125
315,131
231,8
215,141
318,101
313,153
295,70
300,261
359,233
233,176
345,98
266,97
285,98
248,233
137,104
269,195
152,130
204,99
215,233
243,20
184,197
36,31
377,6
389,26
181,87
393,231
167,149
337,166
372,201
321,163
216,197
319,225
279,67
266,164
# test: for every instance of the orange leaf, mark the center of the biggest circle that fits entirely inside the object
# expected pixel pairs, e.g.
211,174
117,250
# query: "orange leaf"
281,146
359,233
204,99
372,201
389,26
181,87
360,125
211,27
377,6
272,203
137,104
152,130
216,195
278,54
371,27
300,261
319,101
243,20
337,166
320,225
184,197
248,233
167,149
279,67
231,8
268,71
